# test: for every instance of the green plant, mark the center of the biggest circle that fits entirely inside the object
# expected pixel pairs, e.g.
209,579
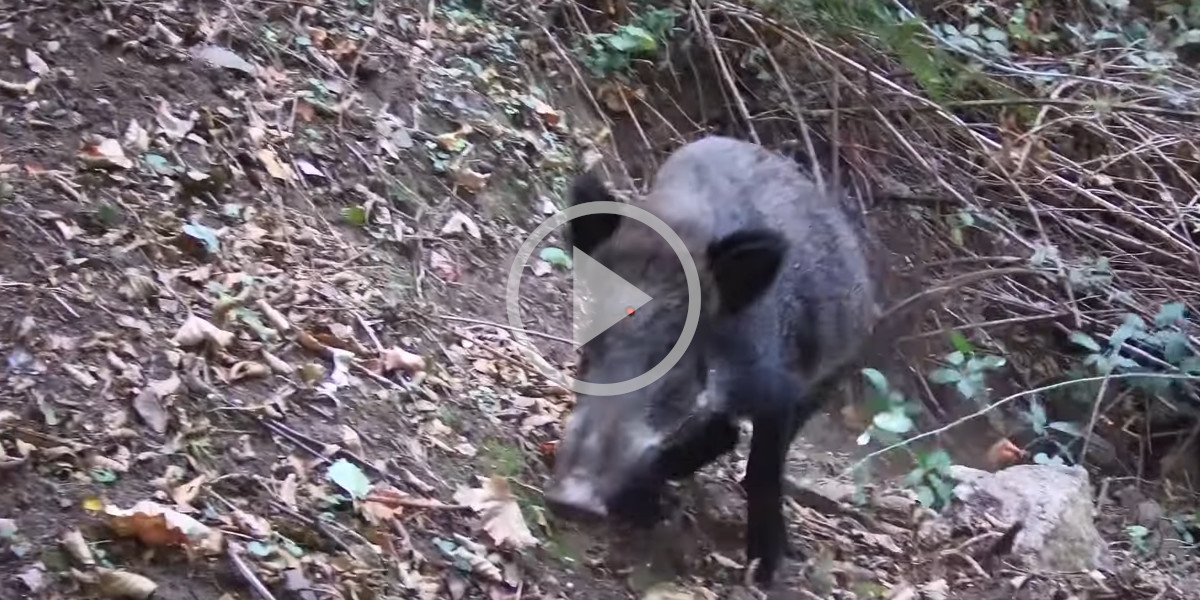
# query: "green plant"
1165,337
891,412
967,369
614,53
1036,416
1139,536
930,479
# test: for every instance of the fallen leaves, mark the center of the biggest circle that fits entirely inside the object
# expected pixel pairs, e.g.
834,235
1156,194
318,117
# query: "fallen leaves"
76,546
124,584
171,126
110,583
1004,453
217,56
470,179
276,169
350,478
105,154
502,518
149,403
399,359
35,63
460,223
196,331
156,525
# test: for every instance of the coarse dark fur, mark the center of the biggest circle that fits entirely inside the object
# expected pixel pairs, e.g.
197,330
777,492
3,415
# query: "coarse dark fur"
787,300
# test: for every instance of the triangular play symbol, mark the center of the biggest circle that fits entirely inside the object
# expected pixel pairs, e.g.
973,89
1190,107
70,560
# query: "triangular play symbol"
601,298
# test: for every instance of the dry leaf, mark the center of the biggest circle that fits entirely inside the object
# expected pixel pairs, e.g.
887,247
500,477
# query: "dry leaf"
458,223
35,62
252,525
135,324
351,440
278,321
502,516
123,584
471,179
156,525
277,364
174,127
247,369
668,591
1004,453
288,489
136,137
195,331
149,402
75,545
80,376
106,153
34,578
455,141
271,163
403,360
309,169
550,116
186,493
443,265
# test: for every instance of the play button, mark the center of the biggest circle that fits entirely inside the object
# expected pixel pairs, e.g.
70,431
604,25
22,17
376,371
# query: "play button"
601,298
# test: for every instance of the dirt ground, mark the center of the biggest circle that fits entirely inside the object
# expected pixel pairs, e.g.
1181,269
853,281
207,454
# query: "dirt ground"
367,187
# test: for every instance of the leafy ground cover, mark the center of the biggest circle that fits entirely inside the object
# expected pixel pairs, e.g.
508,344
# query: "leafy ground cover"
252,261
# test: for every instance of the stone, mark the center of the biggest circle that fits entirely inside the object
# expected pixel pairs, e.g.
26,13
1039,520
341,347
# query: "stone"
1052,503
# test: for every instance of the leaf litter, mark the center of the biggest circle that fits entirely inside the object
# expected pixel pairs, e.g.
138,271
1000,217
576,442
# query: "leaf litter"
252,305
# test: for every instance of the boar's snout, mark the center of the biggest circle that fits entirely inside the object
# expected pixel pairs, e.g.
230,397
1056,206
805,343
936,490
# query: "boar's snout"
577,499
605,467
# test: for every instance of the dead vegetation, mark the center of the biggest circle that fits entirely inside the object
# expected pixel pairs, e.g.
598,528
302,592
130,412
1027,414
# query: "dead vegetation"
252,260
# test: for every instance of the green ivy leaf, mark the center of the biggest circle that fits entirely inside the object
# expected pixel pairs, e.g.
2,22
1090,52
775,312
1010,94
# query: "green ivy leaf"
1169,314
205,235
1190,365
1066,427
956,358
349,477
894,421
967,388
634,40
925,496
944,376
1082,339
260,549
961,343
1137,532
991,361
159,164
103,475
355,215
1037,416
993,34
556,257
877,379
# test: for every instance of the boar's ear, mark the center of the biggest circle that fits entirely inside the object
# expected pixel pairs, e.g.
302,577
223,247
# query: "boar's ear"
590,231
744,264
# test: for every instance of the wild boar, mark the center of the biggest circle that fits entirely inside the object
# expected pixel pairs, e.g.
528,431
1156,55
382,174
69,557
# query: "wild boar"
787,300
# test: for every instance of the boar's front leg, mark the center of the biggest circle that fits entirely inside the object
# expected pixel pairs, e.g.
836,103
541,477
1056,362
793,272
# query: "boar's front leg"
766,531
701,447
783,406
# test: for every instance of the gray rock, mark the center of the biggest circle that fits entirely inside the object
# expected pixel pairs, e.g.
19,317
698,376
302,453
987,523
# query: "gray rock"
1148,513
1052,503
